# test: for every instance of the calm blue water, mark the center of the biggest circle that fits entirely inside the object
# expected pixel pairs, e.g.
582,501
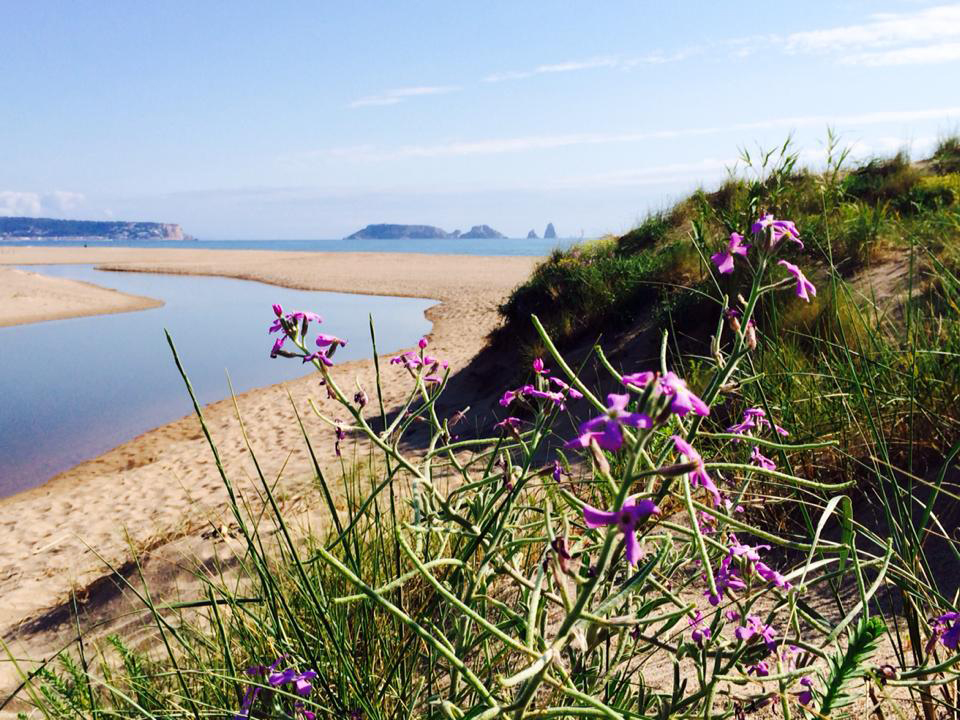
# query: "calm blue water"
446,246
73,389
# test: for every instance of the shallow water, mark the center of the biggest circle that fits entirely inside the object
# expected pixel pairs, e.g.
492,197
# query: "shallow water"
73,389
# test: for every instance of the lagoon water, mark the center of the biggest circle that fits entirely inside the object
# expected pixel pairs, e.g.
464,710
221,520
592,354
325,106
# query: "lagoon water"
73,389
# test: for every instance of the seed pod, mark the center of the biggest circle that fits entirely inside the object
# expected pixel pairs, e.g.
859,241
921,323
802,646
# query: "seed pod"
599,458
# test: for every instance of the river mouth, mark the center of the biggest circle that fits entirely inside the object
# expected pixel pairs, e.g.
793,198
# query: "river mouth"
73,389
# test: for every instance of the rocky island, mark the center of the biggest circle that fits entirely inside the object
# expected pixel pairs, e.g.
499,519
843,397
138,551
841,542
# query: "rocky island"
388,231
31,228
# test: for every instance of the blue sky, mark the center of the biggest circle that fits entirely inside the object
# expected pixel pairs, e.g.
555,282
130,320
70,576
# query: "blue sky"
310,120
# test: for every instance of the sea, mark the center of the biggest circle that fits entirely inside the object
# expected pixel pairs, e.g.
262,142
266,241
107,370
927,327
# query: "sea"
445,246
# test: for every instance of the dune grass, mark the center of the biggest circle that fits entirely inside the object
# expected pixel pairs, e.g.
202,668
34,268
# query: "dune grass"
616,573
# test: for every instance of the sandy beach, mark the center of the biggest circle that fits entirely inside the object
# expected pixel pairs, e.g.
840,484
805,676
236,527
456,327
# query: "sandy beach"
27,297
163,484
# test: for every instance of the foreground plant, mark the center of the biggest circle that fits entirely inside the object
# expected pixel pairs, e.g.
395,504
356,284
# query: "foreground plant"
610,570
550,597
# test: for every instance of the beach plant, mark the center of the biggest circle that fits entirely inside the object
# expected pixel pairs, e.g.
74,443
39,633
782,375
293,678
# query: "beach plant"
607,549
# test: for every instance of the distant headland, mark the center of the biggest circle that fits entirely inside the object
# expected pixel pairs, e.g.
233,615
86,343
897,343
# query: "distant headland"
388,231
31,228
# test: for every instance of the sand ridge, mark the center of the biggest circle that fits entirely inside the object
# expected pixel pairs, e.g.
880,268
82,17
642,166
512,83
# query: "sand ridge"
163,483
28,297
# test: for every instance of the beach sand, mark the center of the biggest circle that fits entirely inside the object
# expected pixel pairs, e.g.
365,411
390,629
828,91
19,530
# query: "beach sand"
26,297
164,484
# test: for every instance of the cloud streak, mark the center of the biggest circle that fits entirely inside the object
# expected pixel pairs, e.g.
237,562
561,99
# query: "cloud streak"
607,61
496,146
399,95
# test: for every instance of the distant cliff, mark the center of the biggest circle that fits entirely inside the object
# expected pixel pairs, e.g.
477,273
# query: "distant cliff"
387,231
483,232
49,229
550,233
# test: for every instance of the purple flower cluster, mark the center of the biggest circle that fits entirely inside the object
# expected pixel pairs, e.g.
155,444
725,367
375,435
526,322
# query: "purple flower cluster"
294,326
778,230
627,519
299,680
727,577
682,401
755,421
699,630
542,391
754,626
946,629
416,362
606,429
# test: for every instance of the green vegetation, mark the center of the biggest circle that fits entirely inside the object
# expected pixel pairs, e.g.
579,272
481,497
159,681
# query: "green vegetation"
507,577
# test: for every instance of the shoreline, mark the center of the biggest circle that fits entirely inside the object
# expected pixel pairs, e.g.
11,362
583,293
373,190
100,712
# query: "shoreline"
163,484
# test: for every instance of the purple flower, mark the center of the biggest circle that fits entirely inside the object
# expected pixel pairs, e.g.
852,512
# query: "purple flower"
507,398
571,392
699,629
508,423
754,419
761,669
779,229
410,360
555,397
946,628
327,340
558,471
754,626
639,379
725,578
751,555
760,460
318,355
278,345
606,429
724,260
683,400
698,477
538,367
300,681
804,286
627,519
805,696
422,344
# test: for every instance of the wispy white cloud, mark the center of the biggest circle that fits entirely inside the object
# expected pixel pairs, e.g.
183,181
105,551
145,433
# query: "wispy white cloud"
606,61
528,143
927,35
398,95
922,55
15,203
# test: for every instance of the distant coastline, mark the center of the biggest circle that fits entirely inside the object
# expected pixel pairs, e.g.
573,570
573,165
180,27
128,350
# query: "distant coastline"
28,229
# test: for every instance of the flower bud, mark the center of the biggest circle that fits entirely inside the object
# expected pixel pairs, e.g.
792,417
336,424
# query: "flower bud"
360,398
676,470
751,336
